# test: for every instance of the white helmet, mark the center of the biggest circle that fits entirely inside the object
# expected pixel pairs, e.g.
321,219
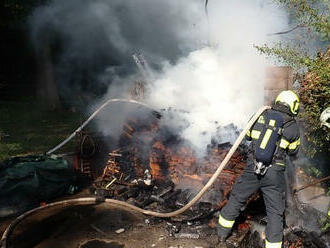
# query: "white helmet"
325,117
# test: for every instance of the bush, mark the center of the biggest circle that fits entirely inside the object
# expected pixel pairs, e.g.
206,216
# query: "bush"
8,150
315,96
313,70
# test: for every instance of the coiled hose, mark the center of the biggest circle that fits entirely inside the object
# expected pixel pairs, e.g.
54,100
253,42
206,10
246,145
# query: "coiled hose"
91,200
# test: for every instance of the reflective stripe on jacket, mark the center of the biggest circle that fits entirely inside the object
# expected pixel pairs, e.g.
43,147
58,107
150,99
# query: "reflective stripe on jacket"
289,142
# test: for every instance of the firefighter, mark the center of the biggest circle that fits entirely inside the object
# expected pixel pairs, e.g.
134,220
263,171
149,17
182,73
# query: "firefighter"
274,135
325,122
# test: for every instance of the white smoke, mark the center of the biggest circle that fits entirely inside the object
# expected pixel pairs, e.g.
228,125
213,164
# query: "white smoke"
223,83
203,64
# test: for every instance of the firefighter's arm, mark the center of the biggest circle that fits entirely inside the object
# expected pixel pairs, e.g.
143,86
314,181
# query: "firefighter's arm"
290,140
294,147
254,131
248,135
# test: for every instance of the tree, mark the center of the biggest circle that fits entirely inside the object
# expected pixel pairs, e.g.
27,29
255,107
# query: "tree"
312,20
16,50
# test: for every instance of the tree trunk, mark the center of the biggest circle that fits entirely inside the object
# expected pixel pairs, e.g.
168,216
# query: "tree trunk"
46,85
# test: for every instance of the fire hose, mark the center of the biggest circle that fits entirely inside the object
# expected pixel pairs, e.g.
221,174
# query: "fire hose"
94,200
91,118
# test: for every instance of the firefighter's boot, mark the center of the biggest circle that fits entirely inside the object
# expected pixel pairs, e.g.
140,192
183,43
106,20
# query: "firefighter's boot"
223,233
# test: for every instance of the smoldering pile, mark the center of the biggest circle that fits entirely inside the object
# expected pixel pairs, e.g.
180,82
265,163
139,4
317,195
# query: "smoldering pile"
156,169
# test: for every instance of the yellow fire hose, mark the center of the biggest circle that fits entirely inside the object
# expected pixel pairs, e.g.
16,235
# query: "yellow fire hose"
91,200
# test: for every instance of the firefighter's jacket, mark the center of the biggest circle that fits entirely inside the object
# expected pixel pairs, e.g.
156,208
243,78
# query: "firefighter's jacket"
289,141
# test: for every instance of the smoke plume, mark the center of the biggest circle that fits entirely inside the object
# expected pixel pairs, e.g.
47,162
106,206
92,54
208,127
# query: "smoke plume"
202,63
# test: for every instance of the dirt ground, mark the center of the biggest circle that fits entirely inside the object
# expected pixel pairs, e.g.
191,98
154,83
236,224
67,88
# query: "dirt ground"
98,226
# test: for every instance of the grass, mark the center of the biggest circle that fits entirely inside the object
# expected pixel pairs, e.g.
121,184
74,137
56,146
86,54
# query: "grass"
27,127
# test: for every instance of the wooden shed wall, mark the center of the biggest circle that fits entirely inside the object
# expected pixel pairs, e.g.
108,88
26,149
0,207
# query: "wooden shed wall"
278,78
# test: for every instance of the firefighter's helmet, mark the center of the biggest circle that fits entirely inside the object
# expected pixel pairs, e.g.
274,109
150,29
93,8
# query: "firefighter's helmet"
325,117
289,99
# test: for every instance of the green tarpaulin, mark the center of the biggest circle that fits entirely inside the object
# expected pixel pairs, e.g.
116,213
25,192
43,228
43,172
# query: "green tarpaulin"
27,181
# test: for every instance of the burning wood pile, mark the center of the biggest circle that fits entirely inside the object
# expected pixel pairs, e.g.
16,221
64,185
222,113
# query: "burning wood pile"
168,175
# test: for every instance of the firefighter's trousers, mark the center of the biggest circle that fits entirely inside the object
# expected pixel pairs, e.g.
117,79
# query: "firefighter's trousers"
272,186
